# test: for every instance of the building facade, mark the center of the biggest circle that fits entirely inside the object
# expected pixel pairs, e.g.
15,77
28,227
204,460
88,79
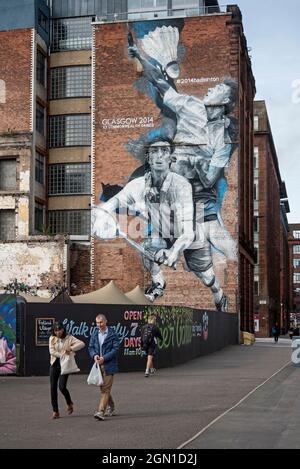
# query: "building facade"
271,275
294,244
122,112
77,73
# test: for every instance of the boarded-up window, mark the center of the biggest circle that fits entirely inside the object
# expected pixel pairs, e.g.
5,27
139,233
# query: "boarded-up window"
7,225
8,174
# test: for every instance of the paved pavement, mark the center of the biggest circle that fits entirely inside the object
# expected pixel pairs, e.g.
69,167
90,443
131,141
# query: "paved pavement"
167,410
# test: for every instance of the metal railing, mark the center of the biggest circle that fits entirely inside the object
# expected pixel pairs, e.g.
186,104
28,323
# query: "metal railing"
160,14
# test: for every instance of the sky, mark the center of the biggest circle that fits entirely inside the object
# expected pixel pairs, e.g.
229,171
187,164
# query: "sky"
272,29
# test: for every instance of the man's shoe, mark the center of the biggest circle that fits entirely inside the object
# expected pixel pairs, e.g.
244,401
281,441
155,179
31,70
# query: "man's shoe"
147,374
155,291
223,304
152,371
99,415
109,412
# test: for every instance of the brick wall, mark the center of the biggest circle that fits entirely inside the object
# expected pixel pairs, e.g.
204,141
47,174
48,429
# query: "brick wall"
212,50
80,278
15,60
269,226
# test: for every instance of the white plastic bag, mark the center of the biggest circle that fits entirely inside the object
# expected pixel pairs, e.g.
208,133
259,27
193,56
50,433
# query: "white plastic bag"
95,376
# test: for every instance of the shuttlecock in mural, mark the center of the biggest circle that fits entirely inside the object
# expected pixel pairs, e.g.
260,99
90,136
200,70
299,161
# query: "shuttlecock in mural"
162,45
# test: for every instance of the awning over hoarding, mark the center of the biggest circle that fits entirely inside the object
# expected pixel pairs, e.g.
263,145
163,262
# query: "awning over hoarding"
110,294
137,296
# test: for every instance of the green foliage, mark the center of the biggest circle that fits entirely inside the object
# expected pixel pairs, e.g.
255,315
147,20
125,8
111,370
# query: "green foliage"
17,287
7,331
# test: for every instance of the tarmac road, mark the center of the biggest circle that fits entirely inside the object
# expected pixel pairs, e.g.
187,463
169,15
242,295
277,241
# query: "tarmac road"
168,409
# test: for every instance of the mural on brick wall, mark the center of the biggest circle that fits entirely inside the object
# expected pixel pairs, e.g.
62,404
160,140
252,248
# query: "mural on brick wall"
178,188
7,335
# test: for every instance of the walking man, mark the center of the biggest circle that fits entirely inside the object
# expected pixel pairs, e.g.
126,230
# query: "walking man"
103,348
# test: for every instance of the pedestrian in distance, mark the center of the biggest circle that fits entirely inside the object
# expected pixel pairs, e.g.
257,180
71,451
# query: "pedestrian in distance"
103,349
61,344
149,335
291,332
276,332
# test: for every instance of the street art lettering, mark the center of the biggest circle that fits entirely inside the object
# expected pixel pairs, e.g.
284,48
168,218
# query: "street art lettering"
127,122
175,324
85,330
8,363
184,81
43,331
179,188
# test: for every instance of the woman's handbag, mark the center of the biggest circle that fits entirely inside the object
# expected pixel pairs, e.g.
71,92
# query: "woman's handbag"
95,376
68,364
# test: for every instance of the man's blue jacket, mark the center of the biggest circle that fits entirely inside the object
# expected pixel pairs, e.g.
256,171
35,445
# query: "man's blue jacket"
110,349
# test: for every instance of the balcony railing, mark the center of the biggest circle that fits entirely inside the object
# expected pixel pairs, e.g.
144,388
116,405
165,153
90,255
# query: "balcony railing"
161,13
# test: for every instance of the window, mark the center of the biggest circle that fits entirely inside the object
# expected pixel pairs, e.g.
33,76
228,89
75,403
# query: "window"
70,179
296,234
73,130
7,225
40,119
188,6
256,191
8,174
71,34
256,123
256,254
41,68
43,21
69,82
296,263
146,8
40,168
296,249
39,212
296,278
256,224
256,285
256,158
72,222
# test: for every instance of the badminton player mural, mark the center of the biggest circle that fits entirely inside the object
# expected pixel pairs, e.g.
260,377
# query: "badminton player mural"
179,187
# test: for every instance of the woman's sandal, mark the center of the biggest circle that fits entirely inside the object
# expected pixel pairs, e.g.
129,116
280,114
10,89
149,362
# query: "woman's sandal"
70,409
55,415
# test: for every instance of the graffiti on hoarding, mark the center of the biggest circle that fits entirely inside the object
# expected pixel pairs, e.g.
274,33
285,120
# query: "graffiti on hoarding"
132,341
175,324
200,328
127,331
8,364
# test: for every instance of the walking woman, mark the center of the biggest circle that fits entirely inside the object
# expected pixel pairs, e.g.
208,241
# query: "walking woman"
61,344
149,335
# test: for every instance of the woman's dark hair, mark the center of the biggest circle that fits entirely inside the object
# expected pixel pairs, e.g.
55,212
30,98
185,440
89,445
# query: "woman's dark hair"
58,326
